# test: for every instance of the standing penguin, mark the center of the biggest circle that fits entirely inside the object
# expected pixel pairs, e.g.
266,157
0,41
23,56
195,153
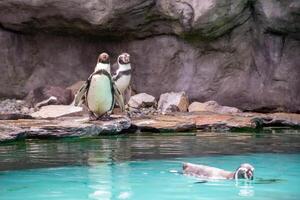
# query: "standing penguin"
99,92
122,76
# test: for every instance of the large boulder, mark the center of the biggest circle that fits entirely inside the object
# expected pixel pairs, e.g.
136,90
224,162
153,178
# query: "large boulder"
173,102
142,100
49,95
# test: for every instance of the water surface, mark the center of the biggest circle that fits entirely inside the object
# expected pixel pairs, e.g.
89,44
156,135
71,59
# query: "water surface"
148,166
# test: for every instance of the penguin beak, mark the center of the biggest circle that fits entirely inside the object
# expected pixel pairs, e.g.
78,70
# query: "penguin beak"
249,174
126,59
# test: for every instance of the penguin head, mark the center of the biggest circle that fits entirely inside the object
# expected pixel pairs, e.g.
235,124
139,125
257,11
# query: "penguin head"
103,58
245,171
124,58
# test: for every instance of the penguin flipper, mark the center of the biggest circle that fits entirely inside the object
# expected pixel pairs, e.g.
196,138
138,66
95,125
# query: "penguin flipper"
118,97
80,95
127,94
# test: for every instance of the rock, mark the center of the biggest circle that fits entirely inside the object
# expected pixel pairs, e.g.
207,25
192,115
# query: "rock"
173,102
14,116
208,121
55,111
49,95
241,53
212,106
142,100
14,109
51,101
61,128
281,119
277,16
12,106
78,126
164,123
142,112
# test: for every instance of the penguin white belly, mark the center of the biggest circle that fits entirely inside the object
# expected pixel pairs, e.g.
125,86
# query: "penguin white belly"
100,97
123,82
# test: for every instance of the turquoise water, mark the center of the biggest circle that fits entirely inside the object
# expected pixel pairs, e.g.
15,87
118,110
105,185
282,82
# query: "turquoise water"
276,177
149,167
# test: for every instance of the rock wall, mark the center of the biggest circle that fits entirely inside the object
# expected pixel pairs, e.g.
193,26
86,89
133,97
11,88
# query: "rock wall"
242,53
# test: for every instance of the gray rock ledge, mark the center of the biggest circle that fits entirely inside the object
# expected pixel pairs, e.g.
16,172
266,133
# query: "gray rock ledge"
80,126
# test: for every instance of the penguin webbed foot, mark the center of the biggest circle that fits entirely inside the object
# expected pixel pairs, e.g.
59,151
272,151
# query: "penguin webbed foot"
92,116
105,117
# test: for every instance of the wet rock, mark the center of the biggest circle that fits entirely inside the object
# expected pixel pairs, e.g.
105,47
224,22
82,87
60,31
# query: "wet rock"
55,111
14,116
164,123
225,122
178,122
281,119
207,121
142,100
212,106
78,126
60,128
173,102
11,133
49,95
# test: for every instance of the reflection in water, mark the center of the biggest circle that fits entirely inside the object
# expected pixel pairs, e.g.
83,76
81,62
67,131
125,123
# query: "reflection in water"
155,179
92,151
245,187
148,166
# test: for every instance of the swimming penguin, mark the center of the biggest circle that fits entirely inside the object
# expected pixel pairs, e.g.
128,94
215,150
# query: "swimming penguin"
99,92
245,171
122,75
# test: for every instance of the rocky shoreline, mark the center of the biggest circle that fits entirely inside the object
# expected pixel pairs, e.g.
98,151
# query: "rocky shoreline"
172,113
80,126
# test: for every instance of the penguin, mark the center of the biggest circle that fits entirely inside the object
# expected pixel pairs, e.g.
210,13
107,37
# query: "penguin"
244,171
122,76
100,92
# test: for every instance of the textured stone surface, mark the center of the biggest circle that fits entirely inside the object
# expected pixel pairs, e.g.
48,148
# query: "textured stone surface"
214,122
142,100
241,53
60,128
13,106
173,102
49,95
211,106
55,111
80,126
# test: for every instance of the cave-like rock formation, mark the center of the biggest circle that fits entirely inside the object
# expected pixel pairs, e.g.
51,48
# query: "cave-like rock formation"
242,53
